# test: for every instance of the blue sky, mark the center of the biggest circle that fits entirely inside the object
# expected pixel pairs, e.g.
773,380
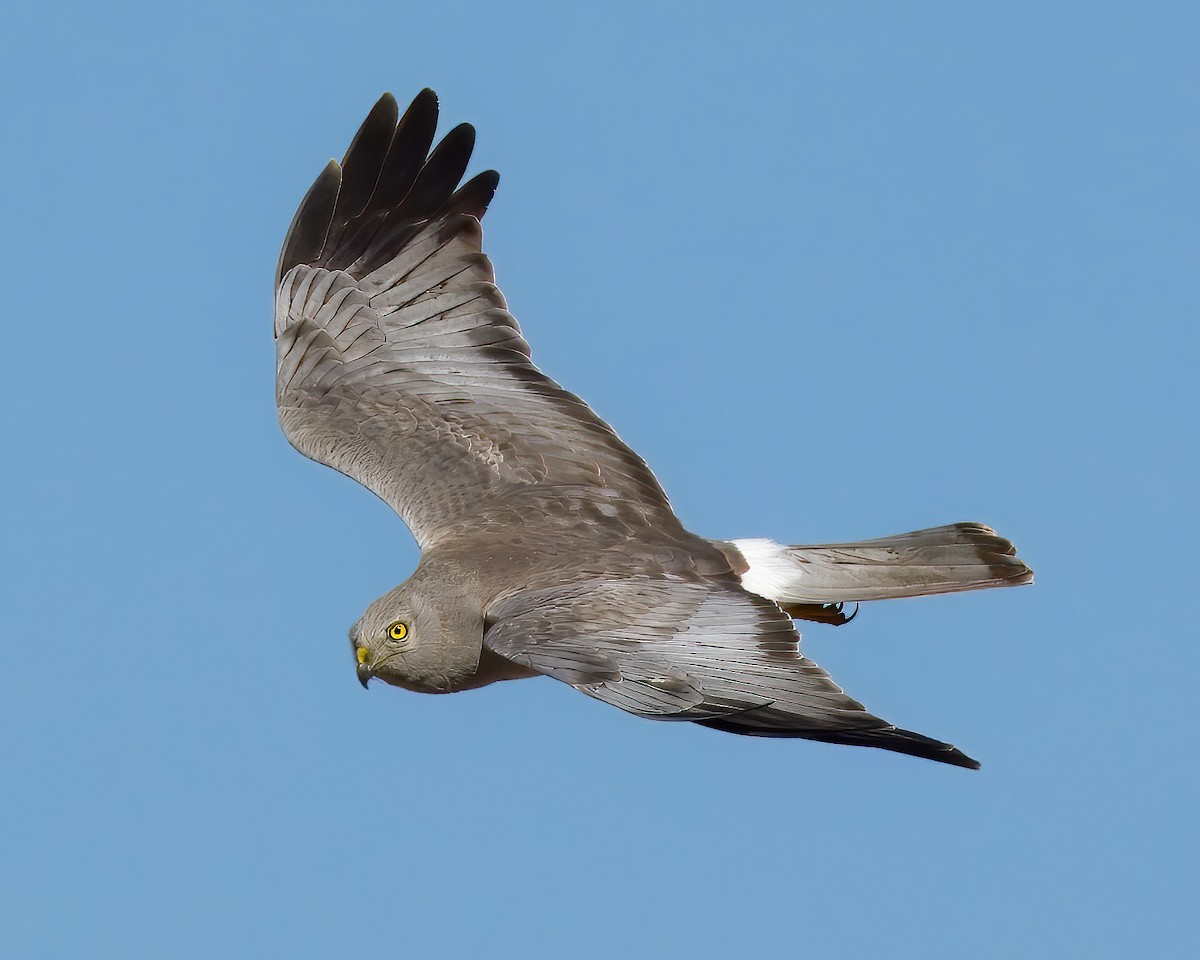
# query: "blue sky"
835,270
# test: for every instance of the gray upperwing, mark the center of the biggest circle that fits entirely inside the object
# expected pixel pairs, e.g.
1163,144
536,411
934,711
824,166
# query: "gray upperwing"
398,362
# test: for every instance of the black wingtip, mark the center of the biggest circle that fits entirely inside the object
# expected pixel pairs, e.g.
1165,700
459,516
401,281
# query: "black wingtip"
918,745
459,140
389,182
384,113
305,238
887,738
948,754
475,195
424,104
422,109
440,174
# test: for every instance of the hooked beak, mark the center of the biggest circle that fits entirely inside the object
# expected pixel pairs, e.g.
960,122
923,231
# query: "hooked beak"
364,667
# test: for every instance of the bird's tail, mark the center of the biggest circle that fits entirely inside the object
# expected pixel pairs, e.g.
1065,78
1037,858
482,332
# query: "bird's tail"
961,556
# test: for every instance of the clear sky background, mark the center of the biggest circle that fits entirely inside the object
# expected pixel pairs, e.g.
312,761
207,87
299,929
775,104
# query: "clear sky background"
836,270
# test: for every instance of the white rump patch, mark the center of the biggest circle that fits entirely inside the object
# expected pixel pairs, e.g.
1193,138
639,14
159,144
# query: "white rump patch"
773,573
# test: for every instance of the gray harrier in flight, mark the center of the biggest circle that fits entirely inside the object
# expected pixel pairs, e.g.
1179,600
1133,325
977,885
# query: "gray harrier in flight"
547,545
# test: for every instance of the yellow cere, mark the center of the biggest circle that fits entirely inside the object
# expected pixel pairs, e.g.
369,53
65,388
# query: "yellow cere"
398,630
361,653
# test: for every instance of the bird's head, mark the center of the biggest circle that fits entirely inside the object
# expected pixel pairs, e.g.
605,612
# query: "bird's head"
411,640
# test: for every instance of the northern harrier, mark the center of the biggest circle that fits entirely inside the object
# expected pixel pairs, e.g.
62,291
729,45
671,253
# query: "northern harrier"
547,545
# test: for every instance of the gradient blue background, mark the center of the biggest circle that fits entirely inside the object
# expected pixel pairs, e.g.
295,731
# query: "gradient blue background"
836,270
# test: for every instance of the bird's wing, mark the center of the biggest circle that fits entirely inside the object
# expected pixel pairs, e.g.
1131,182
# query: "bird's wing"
671,649
397,361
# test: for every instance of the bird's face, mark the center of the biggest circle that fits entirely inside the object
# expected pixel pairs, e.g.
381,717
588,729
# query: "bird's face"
408,641
385,632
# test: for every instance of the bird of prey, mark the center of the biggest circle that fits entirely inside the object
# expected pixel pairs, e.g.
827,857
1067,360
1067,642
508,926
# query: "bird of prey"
547,545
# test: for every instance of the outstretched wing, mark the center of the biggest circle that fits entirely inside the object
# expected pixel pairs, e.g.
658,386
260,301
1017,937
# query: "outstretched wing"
672,649
397,361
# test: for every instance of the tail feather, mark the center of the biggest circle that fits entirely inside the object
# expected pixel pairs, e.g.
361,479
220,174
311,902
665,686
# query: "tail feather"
961,556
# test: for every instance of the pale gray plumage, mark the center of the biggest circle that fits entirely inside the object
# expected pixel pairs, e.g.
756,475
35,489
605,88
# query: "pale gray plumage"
548,547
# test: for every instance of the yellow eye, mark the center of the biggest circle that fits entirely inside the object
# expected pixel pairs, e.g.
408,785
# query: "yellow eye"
398,630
